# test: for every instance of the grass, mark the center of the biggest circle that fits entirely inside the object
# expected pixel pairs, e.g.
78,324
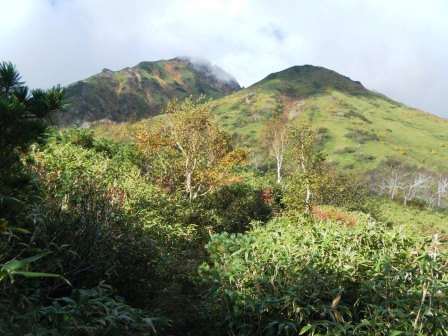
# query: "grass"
415,221
371,125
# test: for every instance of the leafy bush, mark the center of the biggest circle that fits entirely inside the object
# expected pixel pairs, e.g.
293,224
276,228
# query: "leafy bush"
78,136
233,207
365,157
320,277
121,228
354,114
361,135
330,187
95,311
345,150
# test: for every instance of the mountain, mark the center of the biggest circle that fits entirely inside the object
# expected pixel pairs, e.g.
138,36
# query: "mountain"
358,128
143,90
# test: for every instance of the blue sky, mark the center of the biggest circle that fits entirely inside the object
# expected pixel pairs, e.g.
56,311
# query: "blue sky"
399,48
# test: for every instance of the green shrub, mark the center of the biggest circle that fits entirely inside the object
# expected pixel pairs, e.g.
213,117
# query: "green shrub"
345,150
121,228
361,135
77,136
115,225
330,187
95,311
321,277
354,114
233,207
365,157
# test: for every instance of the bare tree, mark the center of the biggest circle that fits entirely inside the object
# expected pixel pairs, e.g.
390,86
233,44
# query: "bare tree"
442,189
277,138
391,178
395,178
418,182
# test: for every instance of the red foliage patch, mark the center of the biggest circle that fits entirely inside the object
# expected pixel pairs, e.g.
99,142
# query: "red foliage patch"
334,214
266,196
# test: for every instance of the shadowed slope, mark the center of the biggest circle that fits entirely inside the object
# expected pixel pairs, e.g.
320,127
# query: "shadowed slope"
143,90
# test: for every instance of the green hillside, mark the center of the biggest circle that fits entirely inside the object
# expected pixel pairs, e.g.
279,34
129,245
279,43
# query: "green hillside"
142,90
359,127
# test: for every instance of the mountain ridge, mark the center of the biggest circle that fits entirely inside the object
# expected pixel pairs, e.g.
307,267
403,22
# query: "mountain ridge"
359,128
143,90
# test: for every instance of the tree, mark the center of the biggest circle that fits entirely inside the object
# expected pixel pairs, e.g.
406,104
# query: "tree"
23,112
390,178
442,189
305,158
276,134
190,150
23,118
412,188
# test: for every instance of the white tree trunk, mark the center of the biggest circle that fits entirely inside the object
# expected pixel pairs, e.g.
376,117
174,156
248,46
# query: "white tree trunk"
279,168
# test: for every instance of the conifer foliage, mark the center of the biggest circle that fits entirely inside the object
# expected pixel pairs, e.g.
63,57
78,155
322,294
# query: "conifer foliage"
23,111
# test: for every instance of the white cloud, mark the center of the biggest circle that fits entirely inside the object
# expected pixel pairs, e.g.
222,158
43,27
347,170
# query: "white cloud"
399,48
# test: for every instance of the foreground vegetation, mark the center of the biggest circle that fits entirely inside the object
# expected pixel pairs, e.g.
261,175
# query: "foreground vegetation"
173,232
302,276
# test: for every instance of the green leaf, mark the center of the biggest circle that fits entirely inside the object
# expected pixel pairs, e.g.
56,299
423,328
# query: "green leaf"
20,230
396,333
15,264
37,274
149,322
305,329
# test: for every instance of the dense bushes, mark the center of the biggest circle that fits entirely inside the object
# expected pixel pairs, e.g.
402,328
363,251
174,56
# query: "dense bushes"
321,277
330,187
80,227
344,274
95,311
125,230
233,207
117,223
35,298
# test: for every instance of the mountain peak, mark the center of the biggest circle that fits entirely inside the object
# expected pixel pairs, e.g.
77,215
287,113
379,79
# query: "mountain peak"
209,69
143,90
310,79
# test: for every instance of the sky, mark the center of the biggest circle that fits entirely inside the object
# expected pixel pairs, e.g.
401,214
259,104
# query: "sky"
396,47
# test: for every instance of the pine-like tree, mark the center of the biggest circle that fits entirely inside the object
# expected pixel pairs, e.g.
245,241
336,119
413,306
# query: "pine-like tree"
23,119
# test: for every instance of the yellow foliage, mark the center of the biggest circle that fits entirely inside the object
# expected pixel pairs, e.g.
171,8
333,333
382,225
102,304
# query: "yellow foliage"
189,151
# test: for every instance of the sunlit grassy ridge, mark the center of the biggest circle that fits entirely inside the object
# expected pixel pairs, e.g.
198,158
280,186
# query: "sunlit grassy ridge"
360,128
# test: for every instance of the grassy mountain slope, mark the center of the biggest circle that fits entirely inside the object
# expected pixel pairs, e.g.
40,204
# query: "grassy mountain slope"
359,127
143,90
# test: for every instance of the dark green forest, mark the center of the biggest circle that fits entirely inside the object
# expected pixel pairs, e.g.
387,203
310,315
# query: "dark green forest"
173,230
